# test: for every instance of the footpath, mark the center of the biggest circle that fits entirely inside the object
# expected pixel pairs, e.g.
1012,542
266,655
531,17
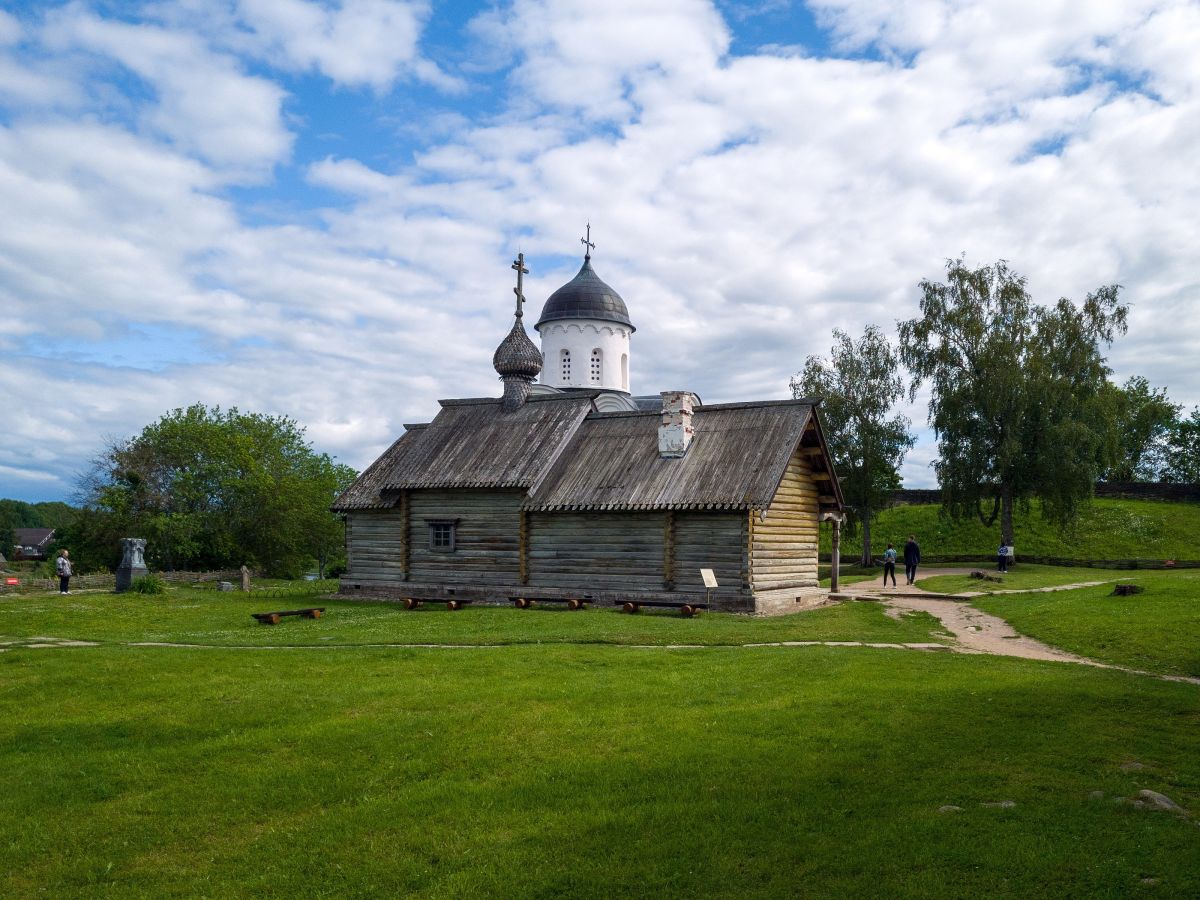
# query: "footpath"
974,630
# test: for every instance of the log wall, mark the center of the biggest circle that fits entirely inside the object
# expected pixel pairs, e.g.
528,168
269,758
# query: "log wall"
601,550
373,545
581,551
710,540
783,544
487,540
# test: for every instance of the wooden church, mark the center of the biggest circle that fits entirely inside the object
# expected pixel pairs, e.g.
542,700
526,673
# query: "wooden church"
572,489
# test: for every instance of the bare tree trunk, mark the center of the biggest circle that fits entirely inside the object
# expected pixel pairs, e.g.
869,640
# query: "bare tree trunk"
1006,514
866,536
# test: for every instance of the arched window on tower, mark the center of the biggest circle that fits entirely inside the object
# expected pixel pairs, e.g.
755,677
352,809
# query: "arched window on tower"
624,371
565,358
597,366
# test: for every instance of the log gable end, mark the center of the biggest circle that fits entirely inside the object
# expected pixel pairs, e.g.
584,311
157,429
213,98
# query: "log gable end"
783,542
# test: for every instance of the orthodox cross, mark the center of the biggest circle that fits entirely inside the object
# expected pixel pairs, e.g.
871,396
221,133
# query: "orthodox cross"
587,242
519,265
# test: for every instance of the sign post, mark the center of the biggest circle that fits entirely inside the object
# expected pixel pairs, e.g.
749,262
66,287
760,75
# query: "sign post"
835,520
710,582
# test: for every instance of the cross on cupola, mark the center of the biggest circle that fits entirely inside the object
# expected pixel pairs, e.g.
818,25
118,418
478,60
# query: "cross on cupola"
587,242
519,290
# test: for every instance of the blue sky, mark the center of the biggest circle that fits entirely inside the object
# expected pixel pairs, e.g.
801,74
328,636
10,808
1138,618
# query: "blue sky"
309,208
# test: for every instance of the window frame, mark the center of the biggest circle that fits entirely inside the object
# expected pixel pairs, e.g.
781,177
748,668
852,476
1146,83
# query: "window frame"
435,526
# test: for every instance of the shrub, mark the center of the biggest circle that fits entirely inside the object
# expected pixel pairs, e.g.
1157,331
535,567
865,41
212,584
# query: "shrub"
148,584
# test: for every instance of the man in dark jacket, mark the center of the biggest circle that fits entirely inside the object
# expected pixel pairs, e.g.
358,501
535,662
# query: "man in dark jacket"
912,556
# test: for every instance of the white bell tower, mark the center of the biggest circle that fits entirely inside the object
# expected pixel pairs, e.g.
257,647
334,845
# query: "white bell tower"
585,331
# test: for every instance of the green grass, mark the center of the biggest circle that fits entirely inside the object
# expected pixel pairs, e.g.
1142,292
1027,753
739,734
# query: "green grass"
587,771
187,615
568,763
1157,631
1023,577
1107,529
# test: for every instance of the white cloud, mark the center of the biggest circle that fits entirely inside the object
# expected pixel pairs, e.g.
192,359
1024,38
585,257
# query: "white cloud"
206,103
355,42
10,29
743,205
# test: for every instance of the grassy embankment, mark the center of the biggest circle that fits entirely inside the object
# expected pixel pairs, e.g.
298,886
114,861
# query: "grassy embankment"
571,770
1107,529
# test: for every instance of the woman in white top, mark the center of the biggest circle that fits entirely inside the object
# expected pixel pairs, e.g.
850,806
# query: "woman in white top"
63,567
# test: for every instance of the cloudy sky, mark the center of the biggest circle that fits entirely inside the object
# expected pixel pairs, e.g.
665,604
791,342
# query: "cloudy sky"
309,208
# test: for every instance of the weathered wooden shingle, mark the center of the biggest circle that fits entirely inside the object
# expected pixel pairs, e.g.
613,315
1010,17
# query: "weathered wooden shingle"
367,491
472,443
736,460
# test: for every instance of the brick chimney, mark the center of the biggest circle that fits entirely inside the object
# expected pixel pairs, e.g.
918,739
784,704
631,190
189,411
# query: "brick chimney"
675,432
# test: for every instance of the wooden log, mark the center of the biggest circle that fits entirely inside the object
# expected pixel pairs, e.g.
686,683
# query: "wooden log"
669,550
405,535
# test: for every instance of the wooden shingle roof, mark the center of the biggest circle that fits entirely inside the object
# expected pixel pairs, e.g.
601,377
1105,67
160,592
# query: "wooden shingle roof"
569,456
736,460
472,443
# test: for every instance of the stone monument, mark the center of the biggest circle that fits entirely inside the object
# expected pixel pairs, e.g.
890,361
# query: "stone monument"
245,578
133,564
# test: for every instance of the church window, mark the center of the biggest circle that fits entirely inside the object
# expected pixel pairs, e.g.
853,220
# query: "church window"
597,367
624,371
442,533
566,366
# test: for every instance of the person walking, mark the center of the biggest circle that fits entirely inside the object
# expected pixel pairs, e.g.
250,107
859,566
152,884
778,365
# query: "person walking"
889,565
912,558
63,567
1002,557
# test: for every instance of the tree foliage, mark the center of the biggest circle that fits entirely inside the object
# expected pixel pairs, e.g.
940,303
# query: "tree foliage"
1182,462
1145,425
1019,392
211,489
858,385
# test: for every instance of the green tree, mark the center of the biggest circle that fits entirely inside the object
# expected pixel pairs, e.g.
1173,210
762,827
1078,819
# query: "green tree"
212,489
1019,397
858,386
8,526
1145,421
1182,462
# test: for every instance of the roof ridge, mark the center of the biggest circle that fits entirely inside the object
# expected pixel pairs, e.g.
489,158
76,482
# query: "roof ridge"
753,404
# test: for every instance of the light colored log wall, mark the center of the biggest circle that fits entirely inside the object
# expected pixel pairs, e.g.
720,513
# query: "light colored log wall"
783,545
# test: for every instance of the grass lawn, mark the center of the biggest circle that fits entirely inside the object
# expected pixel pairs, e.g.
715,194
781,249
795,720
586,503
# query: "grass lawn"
583,770
186,615
566,764
1023,577
1158,630
849,574
1107,529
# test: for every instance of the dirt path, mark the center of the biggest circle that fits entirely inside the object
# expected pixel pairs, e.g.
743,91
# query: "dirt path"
976,631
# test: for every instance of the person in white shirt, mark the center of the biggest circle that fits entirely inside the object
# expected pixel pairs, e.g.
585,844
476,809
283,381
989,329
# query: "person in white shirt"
63,567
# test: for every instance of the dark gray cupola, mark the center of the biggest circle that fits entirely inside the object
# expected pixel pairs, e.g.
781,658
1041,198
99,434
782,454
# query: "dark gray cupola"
585,297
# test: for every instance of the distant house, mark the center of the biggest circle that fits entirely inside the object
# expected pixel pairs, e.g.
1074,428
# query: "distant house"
32,543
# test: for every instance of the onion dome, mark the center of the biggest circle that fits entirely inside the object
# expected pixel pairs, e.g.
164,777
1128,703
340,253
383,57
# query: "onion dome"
518,356
585,297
